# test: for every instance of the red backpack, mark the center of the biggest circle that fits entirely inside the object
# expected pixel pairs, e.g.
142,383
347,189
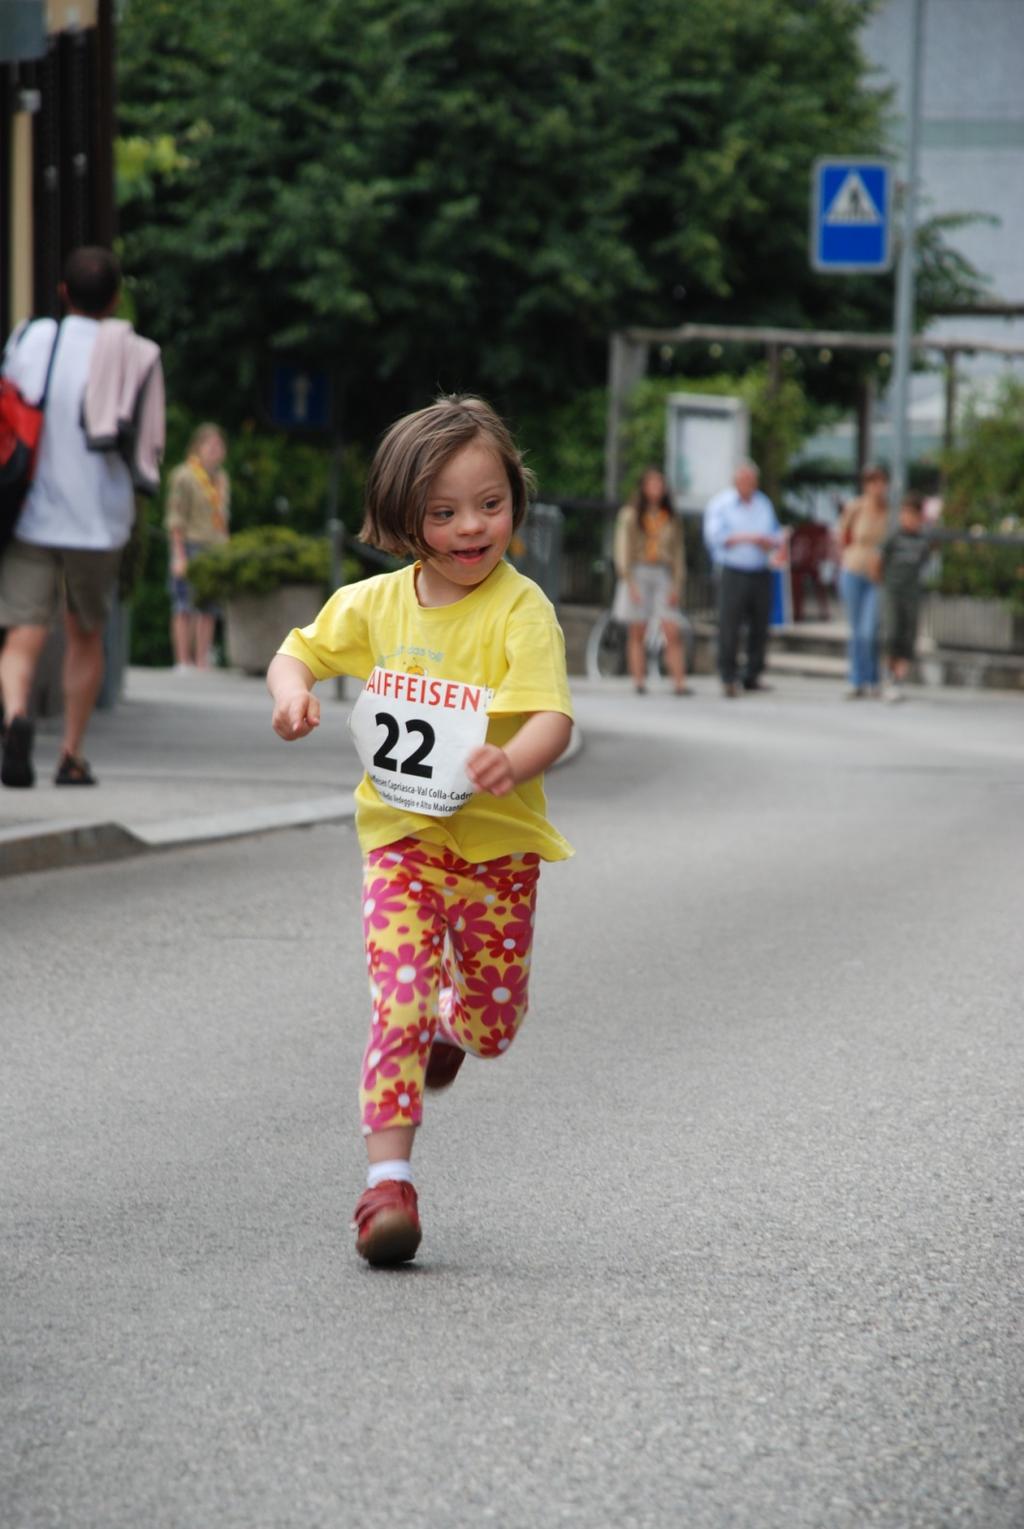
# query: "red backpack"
21,425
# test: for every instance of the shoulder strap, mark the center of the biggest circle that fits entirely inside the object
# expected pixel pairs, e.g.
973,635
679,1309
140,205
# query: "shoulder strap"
49,369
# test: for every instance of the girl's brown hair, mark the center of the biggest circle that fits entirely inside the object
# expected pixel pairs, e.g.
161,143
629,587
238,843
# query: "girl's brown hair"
411,455
637,499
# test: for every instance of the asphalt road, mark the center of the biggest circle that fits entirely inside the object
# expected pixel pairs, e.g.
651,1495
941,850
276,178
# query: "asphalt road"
731,1237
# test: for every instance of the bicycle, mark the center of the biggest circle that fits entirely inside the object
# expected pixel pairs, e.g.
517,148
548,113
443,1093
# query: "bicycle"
605,656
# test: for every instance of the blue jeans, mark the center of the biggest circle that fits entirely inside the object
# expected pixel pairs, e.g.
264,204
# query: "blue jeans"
860,596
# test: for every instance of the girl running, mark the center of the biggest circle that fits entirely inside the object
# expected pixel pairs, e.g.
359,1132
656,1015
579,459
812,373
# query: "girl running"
465,704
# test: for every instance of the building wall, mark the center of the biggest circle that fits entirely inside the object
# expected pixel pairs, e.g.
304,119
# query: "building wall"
972,132
56,151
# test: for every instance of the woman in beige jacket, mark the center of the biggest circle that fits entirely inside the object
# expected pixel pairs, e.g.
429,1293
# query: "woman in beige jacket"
862,529
650,562
198,511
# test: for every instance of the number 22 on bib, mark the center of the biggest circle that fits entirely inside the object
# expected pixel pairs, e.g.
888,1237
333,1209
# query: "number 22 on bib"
413,735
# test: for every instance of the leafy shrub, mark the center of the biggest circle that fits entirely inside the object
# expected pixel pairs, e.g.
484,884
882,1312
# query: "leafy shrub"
258,561
274,477
781,418
565,446
150,598
985,492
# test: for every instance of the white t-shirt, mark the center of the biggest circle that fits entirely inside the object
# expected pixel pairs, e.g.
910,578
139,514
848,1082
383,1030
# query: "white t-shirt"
79,498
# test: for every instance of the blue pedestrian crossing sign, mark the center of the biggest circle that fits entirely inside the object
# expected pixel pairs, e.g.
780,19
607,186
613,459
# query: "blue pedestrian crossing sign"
851,215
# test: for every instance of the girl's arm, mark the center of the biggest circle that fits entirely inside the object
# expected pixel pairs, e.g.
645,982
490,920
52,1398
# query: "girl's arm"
296,708
542,739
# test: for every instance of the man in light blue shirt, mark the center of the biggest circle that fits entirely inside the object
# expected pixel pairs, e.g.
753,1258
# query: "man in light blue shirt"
742,535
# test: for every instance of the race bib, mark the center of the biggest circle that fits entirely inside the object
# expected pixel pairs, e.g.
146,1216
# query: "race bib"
413,735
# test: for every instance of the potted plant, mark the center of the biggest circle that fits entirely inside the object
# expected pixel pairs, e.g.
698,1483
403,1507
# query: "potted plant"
267,579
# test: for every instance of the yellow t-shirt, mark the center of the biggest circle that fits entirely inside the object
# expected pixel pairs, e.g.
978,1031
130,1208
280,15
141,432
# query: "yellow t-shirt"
503,634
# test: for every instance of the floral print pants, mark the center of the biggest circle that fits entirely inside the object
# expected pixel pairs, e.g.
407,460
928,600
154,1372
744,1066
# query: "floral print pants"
448,952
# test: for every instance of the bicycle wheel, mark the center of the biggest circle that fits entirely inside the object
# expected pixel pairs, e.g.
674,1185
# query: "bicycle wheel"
606,649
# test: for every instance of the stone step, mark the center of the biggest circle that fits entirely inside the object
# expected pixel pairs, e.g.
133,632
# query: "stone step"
807,665
823,637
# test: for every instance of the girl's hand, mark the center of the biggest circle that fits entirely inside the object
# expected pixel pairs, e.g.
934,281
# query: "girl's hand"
490,769
295,715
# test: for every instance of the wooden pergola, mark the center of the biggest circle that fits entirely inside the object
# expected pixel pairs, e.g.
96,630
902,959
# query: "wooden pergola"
627,365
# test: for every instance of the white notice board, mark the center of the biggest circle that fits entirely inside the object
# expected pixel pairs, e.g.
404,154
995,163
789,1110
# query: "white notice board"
705,438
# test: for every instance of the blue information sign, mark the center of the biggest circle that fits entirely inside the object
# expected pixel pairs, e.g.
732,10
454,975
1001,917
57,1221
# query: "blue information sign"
300,398
851,215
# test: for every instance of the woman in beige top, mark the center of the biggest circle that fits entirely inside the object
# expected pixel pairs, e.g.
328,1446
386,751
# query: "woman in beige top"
198,509
650,562
862,529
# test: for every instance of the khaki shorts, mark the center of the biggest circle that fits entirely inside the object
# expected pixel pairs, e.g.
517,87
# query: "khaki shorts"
32,580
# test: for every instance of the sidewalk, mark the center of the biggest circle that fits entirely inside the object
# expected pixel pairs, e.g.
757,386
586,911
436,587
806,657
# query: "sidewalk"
183,759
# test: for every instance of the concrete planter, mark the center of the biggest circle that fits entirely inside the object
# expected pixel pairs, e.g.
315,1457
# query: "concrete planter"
256,625
961,621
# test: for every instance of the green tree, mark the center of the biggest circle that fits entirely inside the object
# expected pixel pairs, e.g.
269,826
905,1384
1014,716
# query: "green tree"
471,193
426,195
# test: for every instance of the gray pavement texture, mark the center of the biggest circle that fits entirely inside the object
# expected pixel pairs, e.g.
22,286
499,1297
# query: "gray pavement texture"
731,1237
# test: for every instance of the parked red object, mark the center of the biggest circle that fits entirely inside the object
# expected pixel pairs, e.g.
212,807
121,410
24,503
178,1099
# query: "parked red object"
811,561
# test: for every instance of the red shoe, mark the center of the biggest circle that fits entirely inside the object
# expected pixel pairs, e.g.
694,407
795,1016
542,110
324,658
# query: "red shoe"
387,1224
443,1064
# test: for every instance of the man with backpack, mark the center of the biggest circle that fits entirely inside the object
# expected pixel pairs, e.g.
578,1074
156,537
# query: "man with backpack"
102,434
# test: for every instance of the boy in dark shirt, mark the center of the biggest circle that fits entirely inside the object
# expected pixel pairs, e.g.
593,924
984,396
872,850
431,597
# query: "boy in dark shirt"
904,555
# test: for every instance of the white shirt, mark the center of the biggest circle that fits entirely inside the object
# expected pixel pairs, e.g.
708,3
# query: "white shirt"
79,498
726,515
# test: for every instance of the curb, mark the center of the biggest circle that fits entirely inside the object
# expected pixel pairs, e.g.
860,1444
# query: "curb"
70,844
51,849
40,848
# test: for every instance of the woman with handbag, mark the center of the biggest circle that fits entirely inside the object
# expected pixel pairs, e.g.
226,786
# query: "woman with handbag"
862,529
650,562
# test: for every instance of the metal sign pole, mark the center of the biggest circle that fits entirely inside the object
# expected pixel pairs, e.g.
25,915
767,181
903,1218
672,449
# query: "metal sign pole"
904,317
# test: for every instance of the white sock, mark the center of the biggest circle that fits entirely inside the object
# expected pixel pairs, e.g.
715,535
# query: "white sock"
394,1168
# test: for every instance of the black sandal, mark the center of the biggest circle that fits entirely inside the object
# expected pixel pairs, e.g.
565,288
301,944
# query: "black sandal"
73,771
16,769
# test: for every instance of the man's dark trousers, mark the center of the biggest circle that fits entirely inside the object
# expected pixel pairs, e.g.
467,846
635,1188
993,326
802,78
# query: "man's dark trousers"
743,597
